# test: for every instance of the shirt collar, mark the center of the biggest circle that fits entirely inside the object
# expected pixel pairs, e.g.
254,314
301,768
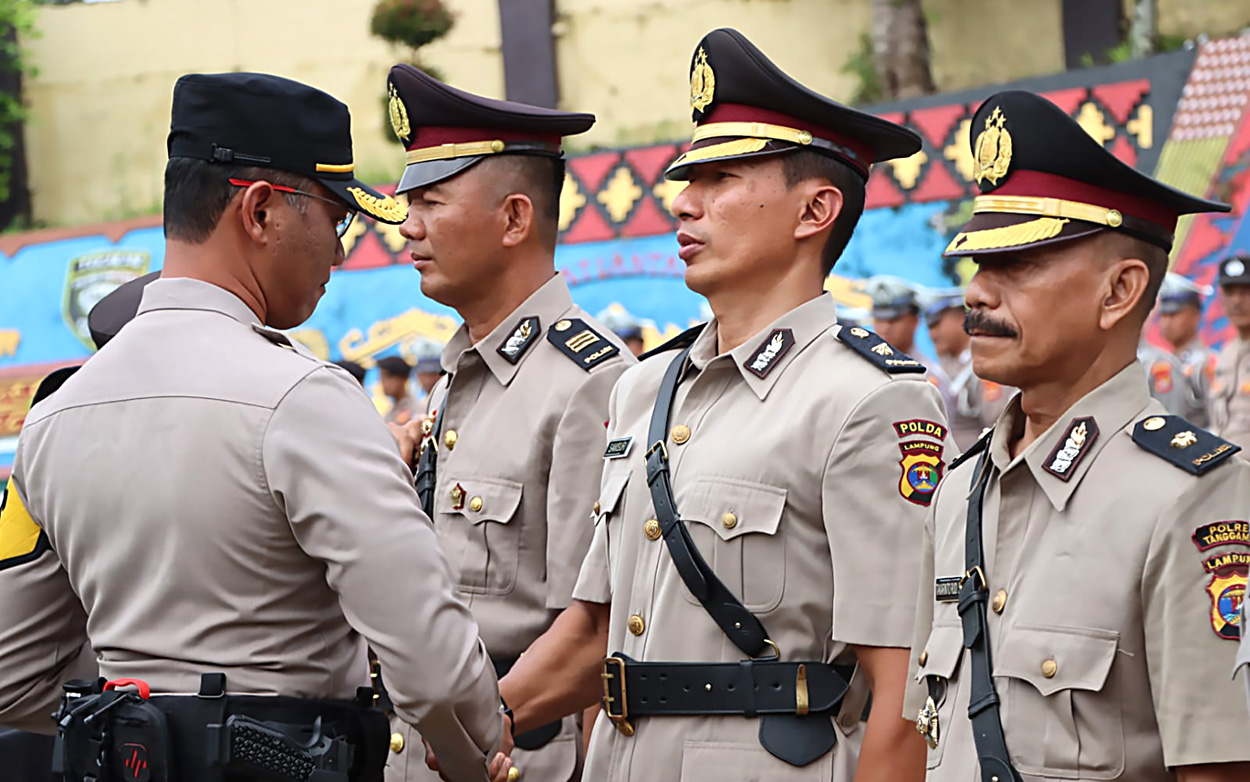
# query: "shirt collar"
184,293
1111,406
548,304
803,324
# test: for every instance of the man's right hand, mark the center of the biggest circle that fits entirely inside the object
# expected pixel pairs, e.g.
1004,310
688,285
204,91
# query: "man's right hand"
408,438
499,766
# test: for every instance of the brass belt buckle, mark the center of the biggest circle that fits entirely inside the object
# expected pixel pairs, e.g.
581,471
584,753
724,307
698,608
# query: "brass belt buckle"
620,717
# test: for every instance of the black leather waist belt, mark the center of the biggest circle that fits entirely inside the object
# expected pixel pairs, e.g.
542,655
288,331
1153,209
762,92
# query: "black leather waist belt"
749,688
538,737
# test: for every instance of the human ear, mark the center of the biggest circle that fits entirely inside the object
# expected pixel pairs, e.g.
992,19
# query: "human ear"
518,212
820,207
1127,281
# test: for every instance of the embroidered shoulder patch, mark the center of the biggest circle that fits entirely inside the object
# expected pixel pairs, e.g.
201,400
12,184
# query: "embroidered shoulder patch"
587,347
770,351
1222,533
1175,440
878,351
920,426
922,469
21,539
1071,448
520,339
1228,591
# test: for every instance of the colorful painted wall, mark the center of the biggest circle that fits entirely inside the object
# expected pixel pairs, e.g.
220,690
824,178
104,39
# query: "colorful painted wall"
1181,116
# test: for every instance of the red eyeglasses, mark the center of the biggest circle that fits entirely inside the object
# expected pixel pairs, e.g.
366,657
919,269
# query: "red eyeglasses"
340,227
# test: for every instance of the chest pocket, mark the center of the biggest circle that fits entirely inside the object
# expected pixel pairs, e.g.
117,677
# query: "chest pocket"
1061,718
611,506
477,528
941,658
735,525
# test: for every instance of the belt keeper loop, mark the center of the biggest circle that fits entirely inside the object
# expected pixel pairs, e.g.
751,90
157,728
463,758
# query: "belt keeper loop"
801,703
747,683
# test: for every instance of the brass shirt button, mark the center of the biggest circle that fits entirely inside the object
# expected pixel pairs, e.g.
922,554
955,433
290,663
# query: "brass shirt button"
680,434
514,774
450,437
475,504
636,624
625,727
651,529
1050,668
596,507
729,520
397,743
924,657
1000,601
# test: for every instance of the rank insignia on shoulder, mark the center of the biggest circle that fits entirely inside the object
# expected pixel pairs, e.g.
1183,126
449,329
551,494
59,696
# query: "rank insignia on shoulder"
276,337
587,347
878,351
1071,448
520,339
769,353
618,448
1184,445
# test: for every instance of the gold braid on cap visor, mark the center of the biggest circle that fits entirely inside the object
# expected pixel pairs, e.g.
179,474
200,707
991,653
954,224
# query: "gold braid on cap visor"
386,208
1052,213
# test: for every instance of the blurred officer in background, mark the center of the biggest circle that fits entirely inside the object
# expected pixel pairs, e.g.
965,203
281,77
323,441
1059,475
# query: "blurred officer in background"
394,373
625,326
1180,320
427,365
1228,403
895,312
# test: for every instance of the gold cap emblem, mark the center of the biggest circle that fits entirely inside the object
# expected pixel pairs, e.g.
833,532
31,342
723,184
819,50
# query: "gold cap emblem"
399,116
702,82
992,154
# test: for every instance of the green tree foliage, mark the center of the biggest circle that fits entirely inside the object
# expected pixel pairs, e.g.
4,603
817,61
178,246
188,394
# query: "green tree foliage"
16,21
411,23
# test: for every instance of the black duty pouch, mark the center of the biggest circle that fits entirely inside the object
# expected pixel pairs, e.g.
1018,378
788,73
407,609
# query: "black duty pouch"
112,736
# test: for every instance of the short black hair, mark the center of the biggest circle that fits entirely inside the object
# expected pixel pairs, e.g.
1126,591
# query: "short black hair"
353,369
803,164
394,365
197,193
539,177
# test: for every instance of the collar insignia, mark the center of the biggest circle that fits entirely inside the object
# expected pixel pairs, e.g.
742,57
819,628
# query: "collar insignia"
1072,447
992,154
520,339
767,354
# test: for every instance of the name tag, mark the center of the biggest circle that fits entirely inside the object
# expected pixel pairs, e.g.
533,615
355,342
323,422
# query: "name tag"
946,590
618,449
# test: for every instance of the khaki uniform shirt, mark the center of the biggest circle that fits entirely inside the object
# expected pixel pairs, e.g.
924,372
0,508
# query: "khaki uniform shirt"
1229,402
1114,599
219,500
1198,362
798,485
401,412
523,432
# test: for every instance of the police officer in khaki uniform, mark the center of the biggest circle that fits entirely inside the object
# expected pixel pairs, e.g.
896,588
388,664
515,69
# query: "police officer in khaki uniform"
1085,563
764,481
1165,377
1180,319
895,311
209,509
1228,404
518,420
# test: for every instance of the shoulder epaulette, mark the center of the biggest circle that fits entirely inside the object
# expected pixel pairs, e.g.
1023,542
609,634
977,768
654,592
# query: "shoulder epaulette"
276,337
878,351
55,379
585,346
678,342
1175,440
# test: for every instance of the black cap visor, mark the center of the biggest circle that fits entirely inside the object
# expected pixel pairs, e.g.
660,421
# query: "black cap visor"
715,150
432,172
117,309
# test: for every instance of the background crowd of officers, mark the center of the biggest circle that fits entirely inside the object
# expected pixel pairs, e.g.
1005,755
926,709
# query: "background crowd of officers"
561,559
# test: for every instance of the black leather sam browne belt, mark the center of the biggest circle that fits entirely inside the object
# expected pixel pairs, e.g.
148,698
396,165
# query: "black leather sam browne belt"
794,701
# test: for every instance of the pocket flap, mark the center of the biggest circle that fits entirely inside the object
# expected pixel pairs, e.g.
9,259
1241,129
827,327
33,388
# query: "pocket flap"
479,499
943,652
612,487
731,507
1054,658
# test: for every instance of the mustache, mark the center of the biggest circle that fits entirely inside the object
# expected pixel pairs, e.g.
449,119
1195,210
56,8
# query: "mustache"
980,323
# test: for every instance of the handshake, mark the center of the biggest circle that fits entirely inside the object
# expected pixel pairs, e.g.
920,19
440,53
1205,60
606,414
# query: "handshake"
500,768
